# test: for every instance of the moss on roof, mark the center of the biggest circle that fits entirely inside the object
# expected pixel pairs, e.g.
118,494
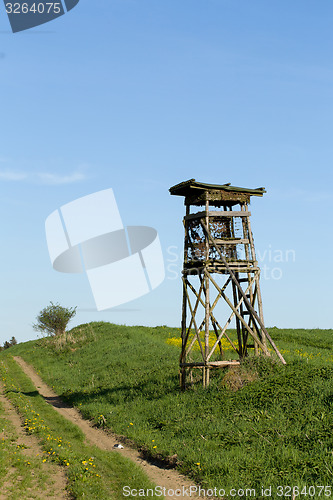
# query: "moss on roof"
192,186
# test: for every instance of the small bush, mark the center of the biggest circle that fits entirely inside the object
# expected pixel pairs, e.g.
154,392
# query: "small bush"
9,343
54,319
70,340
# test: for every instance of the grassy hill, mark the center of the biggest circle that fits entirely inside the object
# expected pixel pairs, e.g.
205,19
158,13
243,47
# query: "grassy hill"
276,430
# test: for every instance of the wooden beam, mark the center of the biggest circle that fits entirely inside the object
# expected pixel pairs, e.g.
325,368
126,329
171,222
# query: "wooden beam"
228,322
211,363
213,317
232,241
215,213
206,290
260,308
198,295
195,325
251,332
246,301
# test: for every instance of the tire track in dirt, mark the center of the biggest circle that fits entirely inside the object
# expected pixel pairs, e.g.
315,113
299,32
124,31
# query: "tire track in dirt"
57,488
166,478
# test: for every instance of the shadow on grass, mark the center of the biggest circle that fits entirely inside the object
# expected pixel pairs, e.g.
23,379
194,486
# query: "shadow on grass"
56,401
31,394
124,393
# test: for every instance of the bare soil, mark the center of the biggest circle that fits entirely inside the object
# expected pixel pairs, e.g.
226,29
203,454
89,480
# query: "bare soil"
56,483
157,473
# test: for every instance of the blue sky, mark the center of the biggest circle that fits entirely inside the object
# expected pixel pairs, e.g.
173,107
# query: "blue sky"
138,95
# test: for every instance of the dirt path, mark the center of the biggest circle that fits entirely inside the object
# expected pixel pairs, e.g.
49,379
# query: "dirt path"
56,483
167,478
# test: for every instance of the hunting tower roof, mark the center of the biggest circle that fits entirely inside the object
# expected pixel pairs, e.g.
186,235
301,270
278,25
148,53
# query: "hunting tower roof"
192,186
197,192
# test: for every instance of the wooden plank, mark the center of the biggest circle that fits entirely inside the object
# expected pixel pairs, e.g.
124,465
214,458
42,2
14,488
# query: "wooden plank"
215,213
243,270
211,363
195,265
201,263
240,265
224,363
232,242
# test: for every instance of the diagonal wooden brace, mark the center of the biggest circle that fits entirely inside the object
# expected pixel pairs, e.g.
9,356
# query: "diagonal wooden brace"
229,320
213,318
198,295
195,325
251,332
241,291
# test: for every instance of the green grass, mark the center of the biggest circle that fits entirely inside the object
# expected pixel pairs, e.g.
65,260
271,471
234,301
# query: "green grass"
16,466
91,472
277,430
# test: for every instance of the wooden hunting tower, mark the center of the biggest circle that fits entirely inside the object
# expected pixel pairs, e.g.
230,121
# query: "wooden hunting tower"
219,263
